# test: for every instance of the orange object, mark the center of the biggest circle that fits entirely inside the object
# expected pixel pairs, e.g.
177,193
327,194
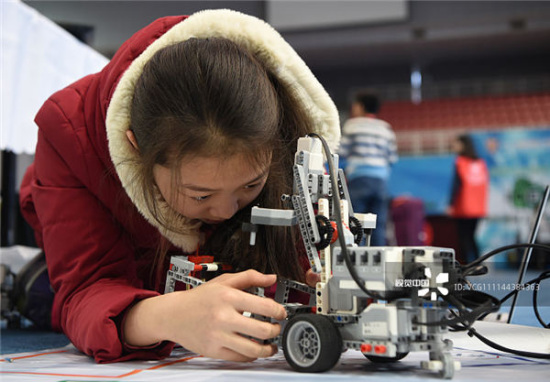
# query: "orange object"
366,348
380,349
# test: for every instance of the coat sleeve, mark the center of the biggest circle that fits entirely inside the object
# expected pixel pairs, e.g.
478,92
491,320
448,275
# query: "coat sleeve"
90,257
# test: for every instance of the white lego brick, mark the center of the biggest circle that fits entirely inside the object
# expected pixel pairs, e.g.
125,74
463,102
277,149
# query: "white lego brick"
368,221
268,216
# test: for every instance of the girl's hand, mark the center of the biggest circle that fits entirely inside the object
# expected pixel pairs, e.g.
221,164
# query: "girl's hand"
208,319
312,278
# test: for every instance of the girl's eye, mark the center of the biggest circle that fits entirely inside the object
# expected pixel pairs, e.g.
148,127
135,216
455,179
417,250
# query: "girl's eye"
252,185
200,198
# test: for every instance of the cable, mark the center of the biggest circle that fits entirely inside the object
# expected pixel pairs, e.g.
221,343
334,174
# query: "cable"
482,304
536,284
466,317
338,212
472,267
481,259
472,332
543,276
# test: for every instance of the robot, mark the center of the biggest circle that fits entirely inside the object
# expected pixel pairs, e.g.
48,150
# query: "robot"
382,301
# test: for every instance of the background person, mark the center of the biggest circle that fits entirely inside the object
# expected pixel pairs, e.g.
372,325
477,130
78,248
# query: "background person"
368,150
469,192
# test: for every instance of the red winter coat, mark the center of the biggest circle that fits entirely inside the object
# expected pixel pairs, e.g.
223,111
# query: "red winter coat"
99,248
99,238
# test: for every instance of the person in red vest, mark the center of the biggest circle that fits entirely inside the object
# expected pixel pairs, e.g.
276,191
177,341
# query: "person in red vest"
468,195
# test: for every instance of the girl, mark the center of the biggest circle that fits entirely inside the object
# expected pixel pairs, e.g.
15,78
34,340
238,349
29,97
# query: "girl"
163,152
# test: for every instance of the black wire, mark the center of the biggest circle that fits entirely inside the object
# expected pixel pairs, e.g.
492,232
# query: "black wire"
543,276
485,340
466,321
536,282
338,212
466,317
536,285
496,251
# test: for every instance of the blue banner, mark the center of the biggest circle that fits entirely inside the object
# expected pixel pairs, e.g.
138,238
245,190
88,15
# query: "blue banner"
426,177
519,167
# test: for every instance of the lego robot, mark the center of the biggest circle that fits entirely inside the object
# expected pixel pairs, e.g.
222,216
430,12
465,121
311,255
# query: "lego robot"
382,301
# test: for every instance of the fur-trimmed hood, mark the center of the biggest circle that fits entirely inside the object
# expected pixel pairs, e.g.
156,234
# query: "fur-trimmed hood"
256,35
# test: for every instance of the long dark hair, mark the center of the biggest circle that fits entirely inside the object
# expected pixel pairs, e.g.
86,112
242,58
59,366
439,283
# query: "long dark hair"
211,98
468,148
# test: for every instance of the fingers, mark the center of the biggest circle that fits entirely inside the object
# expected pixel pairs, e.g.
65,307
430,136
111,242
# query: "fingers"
230,355
248,349
312,278
234,343
247,302
254,328
234,346
246,279
227,336
259,305
264,351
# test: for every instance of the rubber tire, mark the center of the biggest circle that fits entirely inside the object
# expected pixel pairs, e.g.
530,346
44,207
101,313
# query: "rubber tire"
311,343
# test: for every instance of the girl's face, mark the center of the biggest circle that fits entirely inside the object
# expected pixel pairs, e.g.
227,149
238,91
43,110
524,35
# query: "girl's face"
210,189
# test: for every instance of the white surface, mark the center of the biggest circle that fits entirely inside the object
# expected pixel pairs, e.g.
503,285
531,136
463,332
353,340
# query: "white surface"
38,58
17,256
518,337
477,364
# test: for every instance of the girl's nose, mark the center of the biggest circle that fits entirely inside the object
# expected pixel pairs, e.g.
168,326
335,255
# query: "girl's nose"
225,209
